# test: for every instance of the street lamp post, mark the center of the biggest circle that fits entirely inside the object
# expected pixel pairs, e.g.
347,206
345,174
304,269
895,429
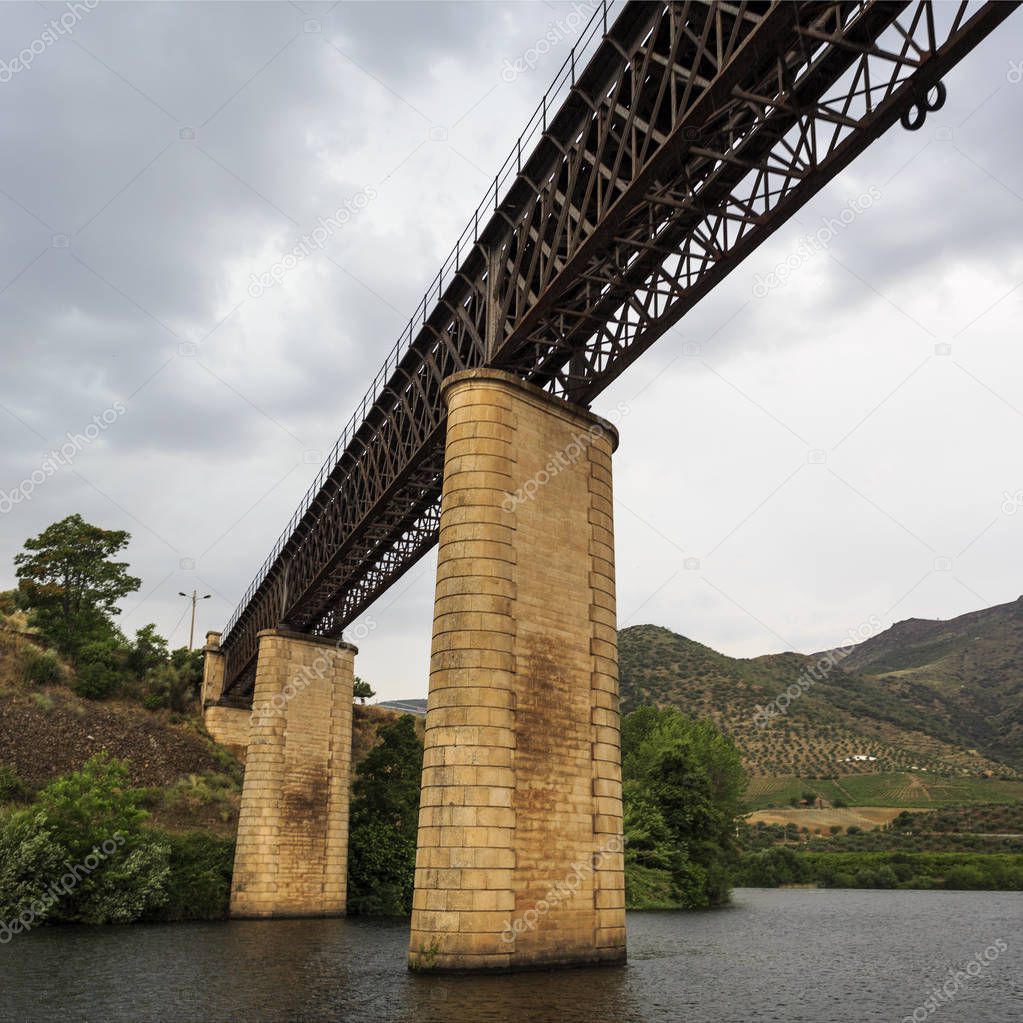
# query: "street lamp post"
195,598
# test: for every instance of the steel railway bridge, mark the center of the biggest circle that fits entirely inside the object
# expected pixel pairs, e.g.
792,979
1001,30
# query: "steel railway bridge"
676,138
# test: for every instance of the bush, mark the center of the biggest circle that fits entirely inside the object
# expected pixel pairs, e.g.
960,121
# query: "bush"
171,687
649,888
84,837
43,702
85,842
96,815
31,859
41,667
12,788
384,821
381,869
130,883
967,877
682,785
771,867
876,877
98,670
94,804
199,883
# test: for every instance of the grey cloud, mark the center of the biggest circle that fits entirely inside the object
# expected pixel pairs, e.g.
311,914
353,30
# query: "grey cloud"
213,452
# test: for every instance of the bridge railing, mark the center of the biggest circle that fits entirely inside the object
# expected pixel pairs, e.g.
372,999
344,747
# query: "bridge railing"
589,39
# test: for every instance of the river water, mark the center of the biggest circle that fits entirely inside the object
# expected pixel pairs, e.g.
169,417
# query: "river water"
785,956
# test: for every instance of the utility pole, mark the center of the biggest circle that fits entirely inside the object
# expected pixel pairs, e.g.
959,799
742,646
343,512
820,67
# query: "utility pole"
195,598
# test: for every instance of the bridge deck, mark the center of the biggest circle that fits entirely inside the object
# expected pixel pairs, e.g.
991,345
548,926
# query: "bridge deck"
683,136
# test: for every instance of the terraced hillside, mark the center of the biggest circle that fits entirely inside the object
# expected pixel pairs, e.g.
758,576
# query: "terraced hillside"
841,724
965,675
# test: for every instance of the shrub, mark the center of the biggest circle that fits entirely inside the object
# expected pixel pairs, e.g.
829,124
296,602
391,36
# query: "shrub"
11,786
967,877
118,871
199,883
170,686
384,821
130,883
93,804
381,869
770,867
99,667
649,888
43,702
31,859
41,667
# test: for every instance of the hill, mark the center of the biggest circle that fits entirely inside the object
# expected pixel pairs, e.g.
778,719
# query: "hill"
965,675
840,723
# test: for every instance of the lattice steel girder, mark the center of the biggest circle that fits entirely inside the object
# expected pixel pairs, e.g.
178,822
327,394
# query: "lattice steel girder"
695,131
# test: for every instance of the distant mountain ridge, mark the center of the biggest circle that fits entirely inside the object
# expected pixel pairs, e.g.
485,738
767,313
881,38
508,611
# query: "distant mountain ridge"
930,695
967,672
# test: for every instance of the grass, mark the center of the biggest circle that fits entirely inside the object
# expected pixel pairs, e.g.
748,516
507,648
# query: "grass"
895,789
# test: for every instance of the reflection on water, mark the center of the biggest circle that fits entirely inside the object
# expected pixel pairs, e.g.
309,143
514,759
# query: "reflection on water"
785,956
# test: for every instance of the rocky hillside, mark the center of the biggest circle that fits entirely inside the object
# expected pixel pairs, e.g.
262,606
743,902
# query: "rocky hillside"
47,730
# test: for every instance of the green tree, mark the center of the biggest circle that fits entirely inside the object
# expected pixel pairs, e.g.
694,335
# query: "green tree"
384,821
148,651
70,583
362,690
692,776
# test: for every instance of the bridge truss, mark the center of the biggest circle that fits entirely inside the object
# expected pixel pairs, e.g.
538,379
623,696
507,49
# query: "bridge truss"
691,132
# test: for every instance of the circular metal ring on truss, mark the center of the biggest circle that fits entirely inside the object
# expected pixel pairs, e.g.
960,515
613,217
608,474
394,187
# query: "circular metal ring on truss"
914,117
940,94
933,99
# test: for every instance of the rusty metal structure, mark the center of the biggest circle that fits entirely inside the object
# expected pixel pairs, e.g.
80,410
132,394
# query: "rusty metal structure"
676,138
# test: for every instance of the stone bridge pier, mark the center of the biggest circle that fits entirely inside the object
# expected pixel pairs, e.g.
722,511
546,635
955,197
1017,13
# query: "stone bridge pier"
520,856
291,858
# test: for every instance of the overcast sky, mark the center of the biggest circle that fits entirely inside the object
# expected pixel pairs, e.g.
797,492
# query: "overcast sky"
842,450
